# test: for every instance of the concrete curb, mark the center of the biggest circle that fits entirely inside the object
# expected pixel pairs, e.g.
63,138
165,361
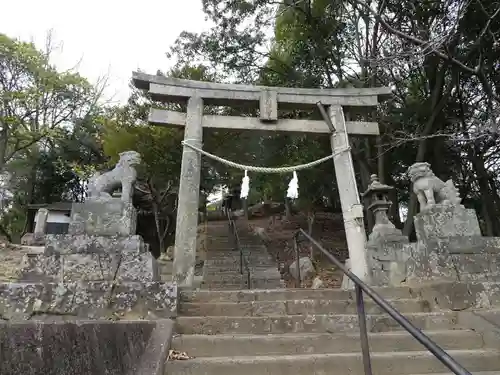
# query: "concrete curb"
155,354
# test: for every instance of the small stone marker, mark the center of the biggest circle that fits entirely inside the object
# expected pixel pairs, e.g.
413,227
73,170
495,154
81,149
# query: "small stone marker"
41,225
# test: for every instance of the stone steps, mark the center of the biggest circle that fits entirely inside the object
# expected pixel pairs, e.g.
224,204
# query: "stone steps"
260,270
242,284
235,264
319,323
388,363
234,277
316,332
320,343
232,255
224,286
288,294
296,307
222,266
310,332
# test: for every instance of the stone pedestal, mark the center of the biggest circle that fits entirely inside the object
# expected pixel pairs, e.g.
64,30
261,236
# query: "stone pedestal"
387,259
100,270
103,218
443,221
450,247
93,258
101,246
462,258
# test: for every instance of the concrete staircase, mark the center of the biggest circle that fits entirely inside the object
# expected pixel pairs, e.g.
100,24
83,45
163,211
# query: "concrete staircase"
222,264
315,332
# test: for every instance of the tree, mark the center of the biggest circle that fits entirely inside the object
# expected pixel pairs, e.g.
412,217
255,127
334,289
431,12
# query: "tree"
47,131
36,101
441,58
160,151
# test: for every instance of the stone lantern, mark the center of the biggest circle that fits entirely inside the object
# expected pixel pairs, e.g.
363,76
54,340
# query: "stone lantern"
385,246
377,196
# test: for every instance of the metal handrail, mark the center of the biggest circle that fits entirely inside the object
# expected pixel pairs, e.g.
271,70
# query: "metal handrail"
361,287
237,244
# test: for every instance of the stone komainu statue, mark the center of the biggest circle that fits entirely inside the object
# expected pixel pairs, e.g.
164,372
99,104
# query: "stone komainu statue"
431,190
101,185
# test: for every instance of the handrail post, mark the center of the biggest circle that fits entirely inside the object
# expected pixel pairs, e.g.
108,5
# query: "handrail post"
298,282
365,345
241,260
249,279
237,246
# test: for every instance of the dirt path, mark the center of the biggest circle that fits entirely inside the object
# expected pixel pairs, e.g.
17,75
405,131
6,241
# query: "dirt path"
328,230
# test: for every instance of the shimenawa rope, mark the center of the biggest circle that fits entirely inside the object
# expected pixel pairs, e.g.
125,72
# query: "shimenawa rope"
293,187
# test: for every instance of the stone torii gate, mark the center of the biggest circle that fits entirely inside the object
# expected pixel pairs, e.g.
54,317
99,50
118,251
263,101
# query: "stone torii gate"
196,94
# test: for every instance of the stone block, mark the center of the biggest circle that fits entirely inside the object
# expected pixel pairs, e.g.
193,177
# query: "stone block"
455,296
103,218
443,221
41,225
88,300
427,264
92,244
455,258
32,239
306,268
40,268
118,266
397,273
387,256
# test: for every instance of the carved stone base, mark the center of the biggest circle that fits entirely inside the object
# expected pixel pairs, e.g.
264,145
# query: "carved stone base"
109,217
70,267
88,300
92,244
387,261
444,221
461,258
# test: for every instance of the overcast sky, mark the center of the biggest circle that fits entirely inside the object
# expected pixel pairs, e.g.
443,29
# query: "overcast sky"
108,36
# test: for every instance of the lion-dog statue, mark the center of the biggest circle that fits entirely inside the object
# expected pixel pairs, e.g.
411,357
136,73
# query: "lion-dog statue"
429,189
102,185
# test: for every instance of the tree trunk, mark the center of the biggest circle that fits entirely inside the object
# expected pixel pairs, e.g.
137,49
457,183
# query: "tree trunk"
394,209
5,233
310,224
159,232
3,144
439,98
365,181
288,209
487,199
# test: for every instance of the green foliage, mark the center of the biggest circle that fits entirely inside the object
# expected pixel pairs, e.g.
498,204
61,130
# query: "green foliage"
47,130
442,64
441,58
160,147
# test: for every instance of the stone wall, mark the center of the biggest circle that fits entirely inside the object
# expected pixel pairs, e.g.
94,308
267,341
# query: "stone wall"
84,348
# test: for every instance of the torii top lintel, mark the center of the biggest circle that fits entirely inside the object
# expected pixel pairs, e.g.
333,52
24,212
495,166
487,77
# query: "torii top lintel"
267,99
179,90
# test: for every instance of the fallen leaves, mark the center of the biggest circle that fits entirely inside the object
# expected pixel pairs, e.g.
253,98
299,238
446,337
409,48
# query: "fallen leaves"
175,355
